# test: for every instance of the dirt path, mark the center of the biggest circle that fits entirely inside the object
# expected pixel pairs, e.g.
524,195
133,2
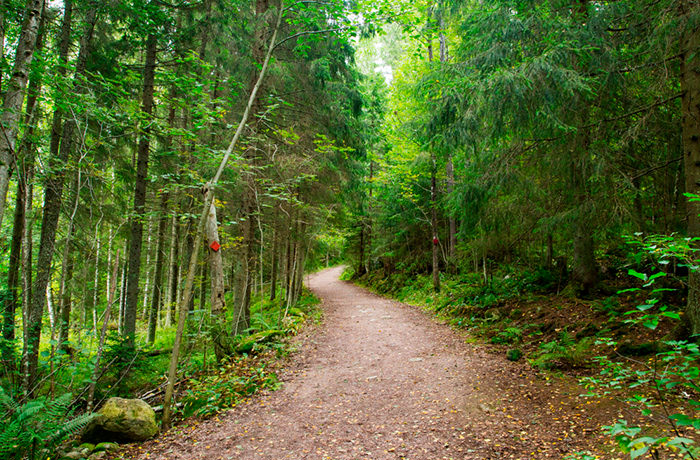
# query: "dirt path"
382,380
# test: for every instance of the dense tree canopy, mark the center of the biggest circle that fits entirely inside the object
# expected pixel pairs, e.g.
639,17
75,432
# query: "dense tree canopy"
442,137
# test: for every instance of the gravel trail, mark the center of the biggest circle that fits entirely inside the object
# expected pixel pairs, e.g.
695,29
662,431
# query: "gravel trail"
384,380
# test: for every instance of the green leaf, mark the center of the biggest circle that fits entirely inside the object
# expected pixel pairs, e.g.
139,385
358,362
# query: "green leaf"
636,274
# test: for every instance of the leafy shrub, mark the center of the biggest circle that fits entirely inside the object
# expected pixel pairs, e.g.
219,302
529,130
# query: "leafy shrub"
563,353
508,336
238,378
672,374
610,306
33,430
514,354
539,279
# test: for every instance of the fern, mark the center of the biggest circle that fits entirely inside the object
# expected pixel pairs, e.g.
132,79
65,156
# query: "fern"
36,427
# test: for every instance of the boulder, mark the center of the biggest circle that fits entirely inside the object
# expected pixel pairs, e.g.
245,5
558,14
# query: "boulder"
122,420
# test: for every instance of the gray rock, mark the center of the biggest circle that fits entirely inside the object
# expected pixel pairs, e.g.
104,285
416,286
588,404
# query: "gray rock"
122,420
98,455
73,455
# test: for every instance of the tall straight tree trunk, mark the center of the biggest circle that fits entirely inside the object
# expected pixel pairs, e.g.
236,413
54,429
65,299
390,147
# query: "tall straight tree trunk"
122,298
361,262
147,284
53,192
585,268
158,275
27,245
449,167
25,157
288,260
189,243
203,280
136,237
274,259
249,201
67,271
217,329
241,321
14,95
433,222
192,263
690,133
96,280
173,272
300,261
103,333
370,212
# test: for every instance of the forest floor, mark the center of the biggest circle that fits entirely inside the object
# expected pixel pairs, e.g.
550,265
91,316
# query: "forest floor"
384,380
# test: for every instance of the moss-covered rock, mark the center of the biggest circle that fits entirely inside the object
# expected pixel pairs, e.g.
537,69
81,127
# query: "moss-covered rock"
87,447
247,344
106,446
122,420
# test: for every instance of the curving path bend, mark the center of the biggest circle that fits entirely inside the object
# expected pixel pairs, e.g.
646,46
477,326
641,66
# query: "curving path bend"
383,380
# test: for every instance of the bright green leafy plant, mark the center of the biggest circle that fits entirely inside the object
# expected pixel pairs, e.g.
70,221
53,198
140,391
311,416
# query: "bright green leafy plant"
34,429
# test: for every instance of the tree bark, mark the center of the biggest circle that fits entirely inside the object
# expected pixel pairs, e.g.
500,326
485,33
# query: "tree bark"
158,276
14,95
192,265
53,192
449,167
147,285
217,329
136,238
67,271
25,160
174,271
433,222
103,335
274,261
690,134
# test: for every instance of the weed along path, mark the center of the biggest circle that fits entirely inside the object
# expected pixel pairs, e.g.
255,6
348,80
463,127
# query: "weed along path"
383,380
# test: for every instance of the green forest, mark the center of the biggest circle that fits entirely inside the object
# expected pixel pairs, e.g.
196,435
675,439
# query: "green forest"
173,172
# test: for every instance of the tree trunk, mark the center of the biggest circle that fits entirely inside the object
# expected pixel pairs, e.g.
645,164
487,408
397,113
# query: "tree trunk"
175,270
690,133
361,262
158,276
25,159
122,299
192,264
172,267
370,212
241,316
67,271
96,279
189,243
147,285
53,191
449,168
274,262
14,95
585,268
288,260
136,238
217,329
203,280
103,335
433,222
